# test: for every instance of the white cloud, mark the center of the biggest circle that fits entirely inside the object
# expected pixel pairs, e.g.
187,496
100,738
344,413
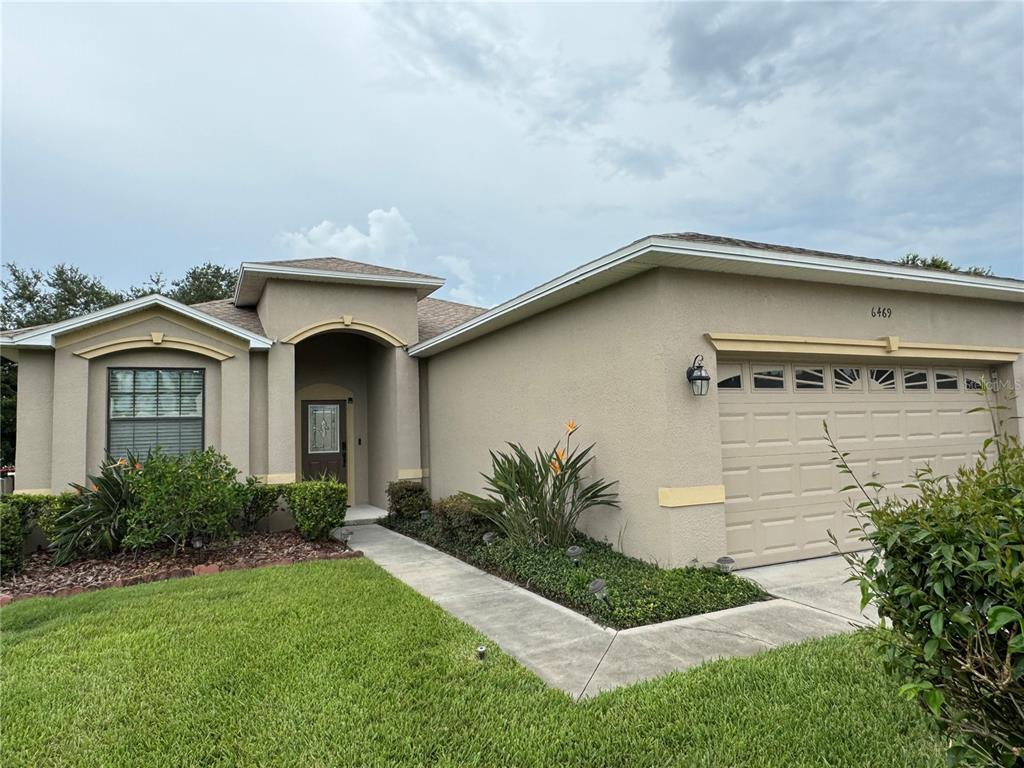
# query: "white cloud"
389,240
466,291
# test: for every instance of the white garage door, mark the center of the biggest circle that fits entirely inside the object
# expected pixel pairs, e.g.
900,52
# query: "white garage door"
782,489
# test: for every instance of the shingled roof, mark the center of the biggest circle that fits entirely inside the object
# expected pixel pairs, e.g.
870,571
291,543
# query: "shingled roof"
225,309
436,316
334,264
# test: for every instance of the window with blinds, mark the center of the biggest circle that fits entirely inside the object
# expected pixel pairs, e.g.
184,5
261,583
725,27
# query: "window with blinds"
150,407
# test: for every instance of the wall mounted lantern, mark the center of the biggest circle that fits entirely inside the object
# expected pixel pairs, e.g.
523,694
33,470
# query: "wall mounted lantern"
698,376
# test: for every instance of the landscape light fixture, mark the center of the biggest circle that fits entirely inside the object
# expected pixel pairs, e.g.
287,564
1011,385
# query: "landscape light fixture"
725,563
599,589
481,652
424,515
197,543
490,537
698,376
575,552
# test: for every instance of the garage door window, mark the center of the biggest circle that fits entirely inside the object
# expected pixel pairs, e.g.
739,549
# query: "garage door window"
883,380
973,379
730,377
847,380
915,380
947,381
809,378
769,378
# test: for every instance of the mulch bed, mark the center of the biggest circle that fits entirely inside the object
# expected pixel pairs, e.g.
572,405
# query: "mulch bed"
39,577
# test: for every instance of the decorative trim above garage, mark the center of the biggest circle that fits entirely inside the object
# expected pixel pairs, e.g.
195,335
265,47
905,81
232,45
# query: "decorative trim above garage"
345,323
885,346
148,342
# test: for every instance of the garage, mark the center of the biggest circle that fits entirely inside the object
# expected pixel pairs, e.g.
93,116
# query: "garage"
782,491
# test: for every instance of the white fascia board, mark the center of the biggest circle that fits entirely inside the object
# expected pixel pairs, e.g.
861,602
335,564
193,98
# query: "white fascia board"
44,337
1001,288
840,265
330,275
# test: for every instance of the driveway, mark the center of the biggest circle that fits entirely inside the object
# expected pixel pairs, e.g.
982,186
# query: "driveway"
819,583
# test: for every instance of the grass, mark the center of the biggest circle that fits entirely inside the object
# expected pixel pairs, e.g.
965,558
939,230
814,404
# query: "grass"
639,593
336,663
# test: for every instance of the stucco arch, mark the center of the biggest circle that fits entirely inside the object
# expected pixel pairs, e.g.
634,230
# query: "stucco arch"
153,341
346,323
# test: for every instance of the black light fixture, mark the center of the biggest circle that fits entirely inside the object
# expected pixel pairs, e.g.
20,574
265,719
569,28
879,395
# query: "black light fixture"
490,537
725,563
575,552
698,376
424,515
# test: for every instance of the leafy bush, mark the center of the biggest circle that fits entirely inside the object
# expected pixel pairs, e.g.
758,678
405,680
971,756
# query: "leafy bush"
455,519
184,498
946,569
12,539
49,509
317,506
407,498
260,501
638,593
538,500
96,524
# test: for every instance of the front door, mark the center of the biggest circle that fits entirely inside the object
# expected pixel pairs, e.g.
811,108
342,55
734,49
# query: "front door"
324,451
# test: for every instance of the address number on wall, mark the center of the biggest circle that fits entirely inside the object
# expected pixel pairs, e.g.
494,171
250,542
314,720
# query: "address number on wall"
883,312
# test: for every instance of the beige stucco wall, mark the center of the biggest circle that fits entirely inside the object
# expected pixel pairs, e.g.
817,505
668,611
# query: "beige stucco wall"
287,306
258,445
35,420
616,362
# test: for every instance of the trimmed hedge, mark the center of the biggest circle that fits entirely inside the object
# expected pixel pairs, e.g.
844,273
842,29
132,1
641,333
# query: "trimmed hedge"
12,539
407,498
318,506
260,501
638,593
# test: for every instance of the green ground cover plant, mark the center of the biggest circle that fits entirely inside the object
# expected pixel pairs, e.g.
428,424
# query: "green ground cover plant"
337,663
638,593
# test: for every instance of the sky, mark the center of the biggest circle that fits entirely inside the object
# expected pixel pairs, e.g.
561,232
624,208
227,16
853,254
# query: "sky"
500,145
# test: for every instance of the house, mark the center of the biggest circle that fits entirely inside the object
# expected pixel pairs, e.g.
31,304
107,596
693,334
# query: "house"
331,366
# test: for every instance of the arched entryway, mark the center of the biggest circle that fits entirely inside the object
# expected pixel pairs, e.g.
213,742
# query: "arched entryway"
356,410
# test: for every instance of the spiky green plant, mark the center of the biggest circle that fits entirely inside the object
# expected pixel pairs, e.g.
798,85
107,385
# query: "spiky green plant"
537,499
96,524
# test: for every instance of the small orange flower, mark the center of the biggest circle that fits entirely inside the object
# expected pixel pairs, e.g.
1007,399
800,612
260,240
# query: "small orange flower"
138,465
571,426
95,487
555,466
556,461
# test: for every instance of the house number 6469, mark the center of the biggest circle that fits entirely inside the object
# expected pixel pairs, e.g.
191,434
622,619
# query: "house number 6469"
883,312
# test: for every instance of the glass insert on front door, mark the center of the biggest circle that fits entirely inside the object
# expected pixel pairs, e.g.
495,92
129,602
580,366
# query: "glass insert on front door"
323,428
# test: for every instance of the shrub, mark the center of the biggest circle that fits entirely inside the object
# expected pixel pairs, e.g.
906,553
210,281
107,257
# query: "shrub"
946,569
49,511
407,498
456,520
12,539
260,501
96,524
181,499
538,500
318,506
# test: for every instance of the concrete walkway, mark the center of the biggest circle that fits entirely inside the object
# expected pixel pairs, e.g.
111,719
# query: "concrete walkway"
363,514
571,652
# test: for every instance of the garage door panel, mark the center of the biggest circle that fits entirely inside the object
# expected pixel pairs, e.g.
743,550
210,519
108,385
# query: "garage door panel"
782,489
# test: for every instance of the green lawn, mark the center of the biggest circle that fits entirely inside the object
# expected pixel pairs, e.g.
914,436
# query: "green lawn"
337,663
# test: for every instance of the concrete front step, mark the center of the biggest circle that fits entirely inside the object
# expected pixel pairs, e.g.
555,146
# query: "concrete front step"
364,514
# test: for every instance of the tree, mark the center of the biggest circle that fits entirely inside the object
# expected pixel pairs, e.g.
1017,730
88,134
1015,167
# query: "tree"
32,297
937,262
206,282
